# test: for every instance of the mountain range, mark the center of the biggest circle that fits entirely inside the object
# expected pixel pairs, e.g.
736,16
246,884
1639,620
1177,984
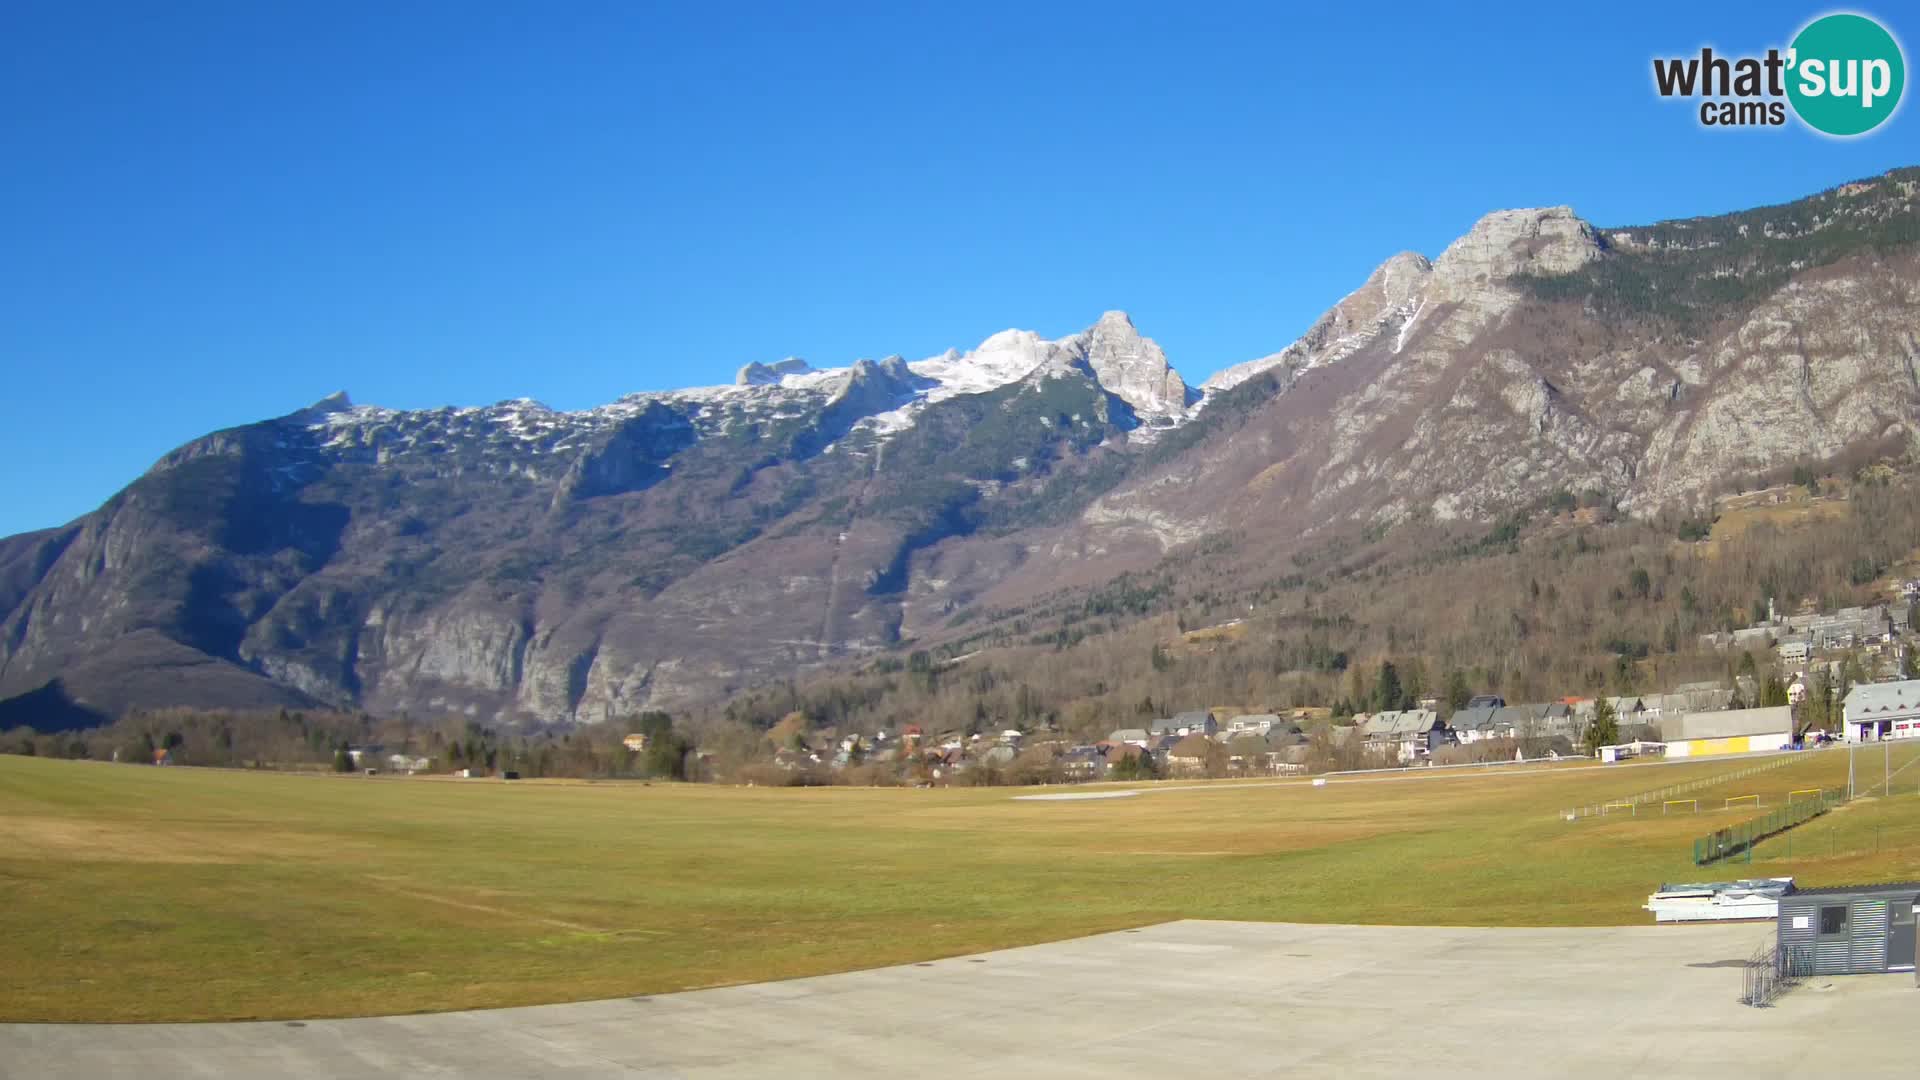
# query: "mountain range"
513,562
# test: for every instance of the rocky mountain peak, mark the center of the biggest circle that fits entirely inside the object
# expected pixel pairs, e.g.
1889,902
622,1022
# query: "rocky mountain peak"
1008,341
1549,240
1387,300
892,373
1132,367
1401,278
871,387
758,374
1003,358
895,367
513,561
336,402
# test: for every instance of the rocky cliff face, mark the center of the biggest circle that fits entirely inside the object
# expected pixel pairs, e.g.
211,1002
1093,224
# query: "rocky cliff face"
1133,368
1387,302
1535,354
513,561
1508,243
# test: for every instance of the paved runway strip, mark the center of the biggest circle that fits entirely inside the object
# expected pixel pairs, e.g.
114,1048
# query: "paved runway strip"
1181,999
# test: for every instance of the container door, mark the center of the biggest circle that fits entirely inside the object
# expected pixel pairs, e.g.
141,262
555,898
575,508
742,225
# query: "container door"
1872,924
1900,943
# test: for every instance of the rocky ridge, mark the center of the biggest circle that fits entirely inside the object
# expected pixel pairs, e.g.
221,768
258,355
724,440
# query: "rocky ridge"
517,562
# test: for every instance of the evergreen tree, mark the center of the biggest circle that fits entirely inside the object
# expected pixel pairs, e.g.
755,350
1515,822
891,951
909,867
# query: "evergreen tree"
1773,692
1604,728
1852,674
667,749
655,724
1816,708
1387,693
1415,682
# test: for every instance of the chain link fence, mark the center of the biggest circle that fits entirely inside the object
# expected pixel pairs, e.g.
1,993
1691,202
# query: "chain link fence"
1741,838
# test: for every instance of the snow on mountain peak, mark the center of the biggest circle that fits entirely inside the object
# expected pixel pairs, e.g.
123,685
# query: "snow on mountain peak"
1131,367
1389,300
1005,357
758,374
317,413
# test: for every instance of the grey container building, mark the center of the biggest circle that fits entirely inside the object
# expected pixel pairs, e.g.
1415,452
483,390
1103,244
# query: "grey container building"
1848,929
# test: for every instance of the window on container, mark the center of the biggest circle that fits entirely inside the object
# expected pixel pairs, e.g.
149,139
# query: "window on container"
1833,920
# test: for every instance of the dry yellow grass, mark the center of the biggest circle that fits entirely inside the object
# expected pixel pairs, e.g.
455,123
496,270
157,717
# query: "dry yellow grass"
132,893
1737,519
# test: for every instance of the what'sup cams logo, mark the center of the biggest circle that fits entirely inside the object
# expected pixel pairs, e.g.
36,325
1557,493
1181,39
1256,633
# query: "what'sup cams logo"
1842,76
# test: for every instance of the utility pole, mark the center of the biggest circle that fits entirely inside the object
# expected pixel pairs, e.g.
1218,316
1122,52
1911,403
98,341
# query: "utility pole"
1851,746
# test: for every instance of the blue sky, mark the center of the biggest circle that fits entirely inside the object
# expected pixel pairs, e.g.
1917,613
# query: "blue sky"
212,213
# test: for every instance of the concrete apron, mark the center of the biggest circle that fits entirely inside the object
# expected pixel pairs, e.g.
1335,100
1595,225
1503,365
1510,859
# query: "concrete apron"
1187,998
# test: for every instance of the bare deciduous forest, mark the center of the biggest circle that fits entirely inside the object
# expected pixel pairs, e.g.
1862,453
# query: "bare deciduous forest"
1570,597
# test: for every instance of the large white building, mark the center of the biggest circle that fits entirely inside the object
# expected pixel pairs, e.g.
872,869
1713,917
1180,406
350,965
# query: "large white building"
1888,710
1729,731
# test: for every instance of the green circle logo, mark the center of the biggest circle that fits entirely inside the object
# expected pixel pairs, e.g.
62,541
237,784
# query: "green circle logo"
1846,74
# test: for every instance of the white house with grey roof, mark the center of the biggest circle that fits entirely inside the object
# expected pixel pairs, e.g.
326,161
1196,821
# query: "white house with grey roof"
1473,723
1517,721
1194,722
1415,732
1253,724
1889,710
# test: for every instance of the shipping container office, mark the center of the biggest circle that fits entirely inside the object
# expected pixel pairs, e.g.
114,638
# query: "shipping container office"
1848,929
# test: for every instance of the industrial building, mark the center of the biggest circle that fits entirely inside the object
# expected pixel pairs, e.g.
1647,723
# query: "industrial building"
1729,731
1848,930
1889,710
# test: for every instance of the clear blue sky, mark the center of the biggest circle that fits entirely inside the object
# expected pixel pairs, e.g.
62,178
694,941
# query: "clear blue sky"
212,213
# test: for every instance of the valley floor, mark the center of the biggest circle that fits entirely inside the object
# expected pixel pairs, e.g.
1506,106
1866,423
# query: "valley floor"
133,893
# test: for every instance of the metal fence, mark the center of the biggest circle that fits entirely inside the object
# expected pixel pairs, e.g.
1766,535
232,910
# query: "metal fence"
1741,838
1628,802
1771,971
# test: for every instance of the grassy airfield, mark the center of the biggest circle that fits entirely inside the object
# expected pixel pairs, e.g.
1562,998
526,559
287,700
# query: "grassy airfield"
133,893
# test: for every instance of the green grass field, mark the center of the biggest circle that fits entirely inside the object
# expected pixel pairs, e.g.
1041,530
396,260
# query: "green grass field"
130,893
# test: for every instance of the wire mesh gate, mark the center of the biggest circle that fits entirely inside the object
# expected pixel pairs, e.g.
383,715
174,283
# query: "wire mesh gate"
1772,971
